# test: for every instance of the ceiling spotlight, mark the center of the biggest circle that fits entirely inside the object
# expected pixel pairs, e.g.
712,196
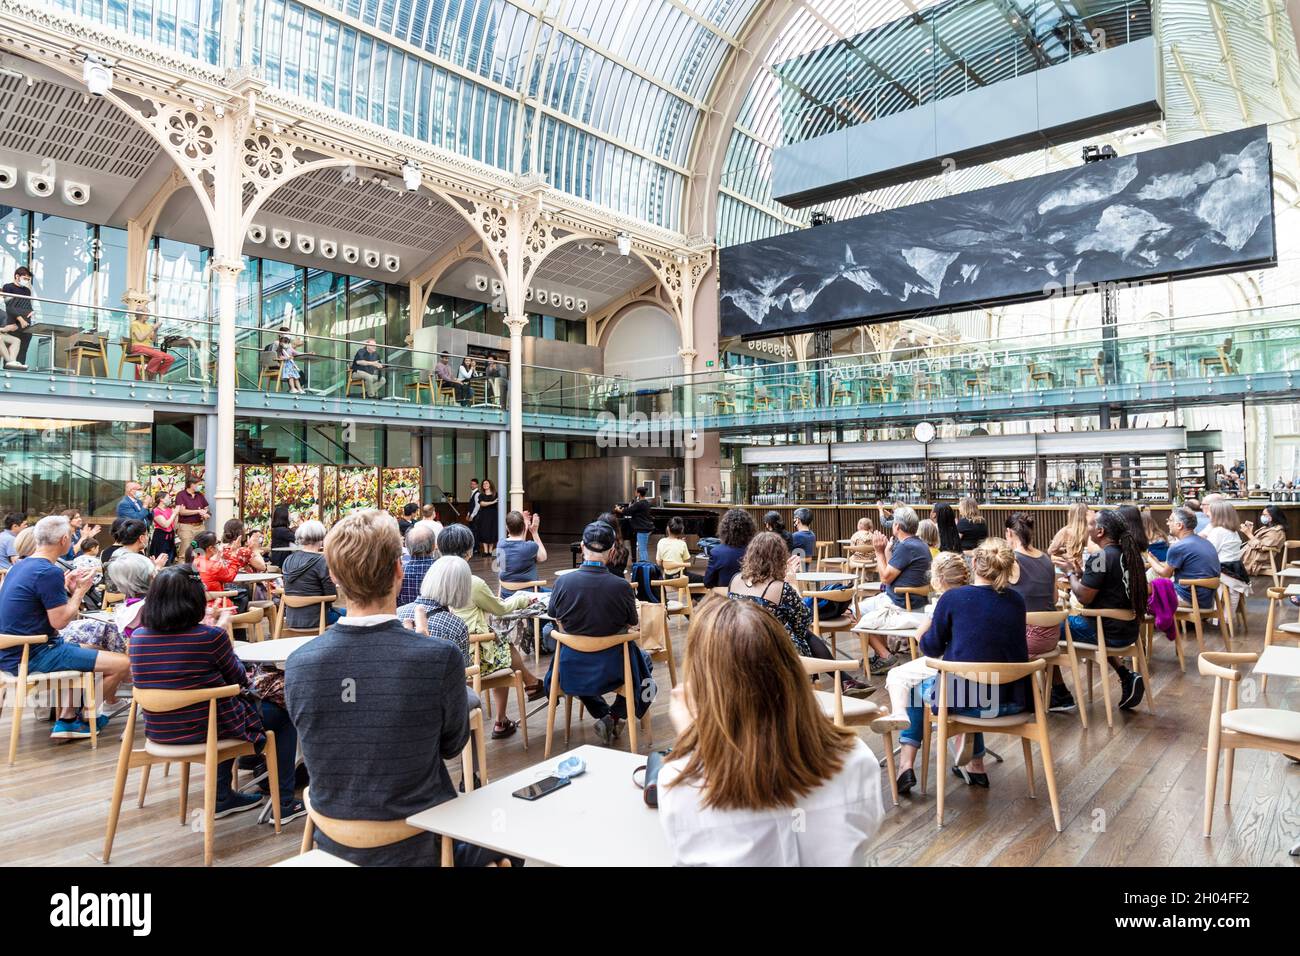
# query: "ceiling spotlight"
275,128
219,110
97,75
198,104
624,244
411,175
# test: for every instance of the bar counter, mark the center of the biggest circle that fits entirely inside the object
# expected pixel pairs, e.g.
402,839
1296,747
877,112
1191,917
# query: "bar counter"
839,522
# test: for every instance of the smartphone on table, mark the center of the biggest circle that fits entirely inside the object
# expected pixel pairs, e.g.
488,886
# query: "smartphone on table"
535,791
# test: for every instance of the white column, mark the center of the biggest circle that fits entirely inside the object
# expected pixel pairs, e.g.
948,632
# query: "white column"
516,324
503,443
689,452
210,454
227,273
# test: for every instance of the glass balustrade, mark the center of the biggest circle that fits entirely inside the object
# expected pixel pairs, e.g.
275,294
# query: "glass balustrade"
1196,348
94,341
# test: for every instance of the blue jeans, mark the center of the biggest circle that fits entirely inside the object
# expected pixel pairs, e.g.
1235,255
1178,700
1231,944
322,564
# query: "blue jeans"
925,694
275,719
1084,630
643,545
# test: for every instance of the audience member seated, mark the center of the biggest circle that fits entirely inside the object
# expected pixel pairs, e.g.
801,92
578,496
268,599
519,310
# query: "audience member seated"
14,523
1224,533
422,546
772,522
446,585
1110,578
983,621
1034,579
173,649
752,745
282,536
518,554
735,530
765,579
132,537
1202,519
1264,542
429,518
378,753
410,515
672,549
1190,556
498,654
803,542
218,572
946,518
306,573
133,573
861,539
88,558
928,532
591,602
1157,542
971,529
39,597
619,554
1072,541
907,565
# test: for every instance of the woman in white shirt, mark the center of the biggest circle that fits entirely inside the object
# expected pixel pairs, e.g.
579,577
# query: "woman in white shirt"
759,776
1224,533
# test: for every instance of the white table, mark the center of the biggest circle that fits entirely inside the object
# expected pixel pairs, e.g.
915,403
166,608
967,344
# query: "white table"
1292,590
825,577
256,577
1289,573
270,652
1278,661
599,819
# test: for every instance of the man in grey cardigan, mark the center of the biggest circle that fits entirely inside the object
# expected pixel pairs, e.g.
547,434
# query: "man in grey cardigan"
378,708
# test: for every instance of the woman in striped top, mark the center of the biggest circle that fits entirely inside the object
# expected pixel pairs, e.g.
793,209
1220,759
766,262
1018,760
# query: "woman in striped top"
173,650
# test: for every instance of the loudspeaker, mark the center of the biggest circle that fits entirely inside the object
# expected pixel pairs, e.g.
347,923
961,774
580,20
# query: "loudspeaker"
256,233
280,238
372,259
351,254
329,248
76,194
38,185
8,177
306,244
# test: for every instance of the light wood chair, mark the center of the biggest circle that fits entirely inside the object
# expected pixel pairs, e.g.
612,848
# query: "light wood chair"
419,386
19,685
370,834
852,712
1286,552
1158,366
842,389
1099,652
512,587
1053,660
920,590
827,561
252,622
354,382
1198,615
1029,727
827,629
627,690
1096,370
210,753
1039,374
801,397
1220,361
92,349
294,600
269,373
880,389
111,598
127,358
505,677
446,393
1275,630
683,605
1254,728
724,402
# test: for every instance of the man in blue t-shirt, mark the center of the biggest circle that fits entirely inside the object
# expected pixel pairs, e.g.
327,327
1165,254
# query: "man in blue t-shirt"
906,566
35,601
1190,557
367,369
804,540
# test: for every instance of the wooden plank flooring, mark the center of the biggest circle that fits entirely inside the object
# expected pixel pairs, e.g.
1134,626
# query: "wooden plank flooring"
1130,797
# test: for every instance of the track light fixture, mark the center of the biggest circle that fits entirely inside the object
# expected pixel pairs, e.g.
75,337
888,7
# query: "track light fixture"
97,75
624,244
411,175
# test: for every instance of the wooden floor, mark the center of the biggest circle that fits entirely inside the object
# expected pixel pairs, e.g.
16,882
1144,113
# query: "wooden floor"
1130,797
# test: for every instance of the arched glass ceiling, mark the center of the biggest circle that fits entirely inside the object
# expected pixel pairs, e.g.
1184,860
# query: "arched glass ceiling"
1226,64
602,98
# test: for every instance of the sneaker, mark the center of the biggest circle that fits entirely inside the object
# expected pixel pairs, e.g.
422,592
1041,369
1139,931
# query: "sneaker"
237,802
16,365
1062,700
69,729
291,812
618,726
1137,690
856,688
100,723
881,665
1125,687
605,730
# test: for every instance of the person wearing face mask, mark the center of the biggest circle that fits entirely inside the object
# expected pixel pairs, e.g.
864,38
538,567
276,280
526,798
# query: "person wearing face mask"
1263,540
192,511
132,504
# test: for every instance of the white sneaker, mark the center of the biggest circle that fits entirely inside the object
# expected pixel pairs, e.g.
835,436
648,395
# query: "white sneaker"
16,365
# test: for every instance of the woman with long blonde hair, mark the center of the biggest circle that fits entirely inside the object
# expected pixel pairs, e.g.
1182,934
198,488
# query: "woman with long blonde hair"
753,745
971,529
1072,541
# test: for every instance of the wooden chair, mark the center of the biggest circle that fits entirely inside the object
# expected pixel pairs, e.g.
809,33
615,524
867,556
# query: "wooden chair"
252,622
1158,366
852,712
923,386
1221,360
127,358
627,690
354,382
513,586
920,590
827,561
1255,728
801,397
505,677
1198,615
977,382
1097,370
843,621
1052,659
446,393
762,401
371,834
1099,652
210,753
419,386
840,388
880,389
860,559
683,606
293,600
19,685
1286,553
111,598
665,654
269,371
1039,374
93,349
1029,727
724,402
1275,630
